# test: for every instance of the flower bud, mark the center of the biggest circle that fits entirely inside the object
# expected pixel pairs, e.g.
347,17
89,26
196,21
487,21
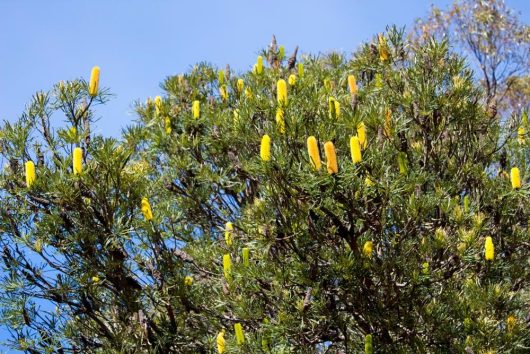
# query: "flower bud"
146,209
229,229
227,266
361,133
240,337
94,82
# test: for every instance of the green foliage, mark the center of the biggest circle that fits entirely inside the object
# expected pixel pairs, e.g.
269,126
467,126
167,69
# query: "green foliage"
430,188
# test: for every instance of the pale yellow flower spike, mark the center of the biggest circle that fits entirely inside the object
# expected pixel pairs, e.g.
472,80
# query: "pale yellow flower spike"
158,104
280,120
78,161
301,70
221,344
355,147
229,228
337,108
489,249
196,109
521,134
246,256
292,80
515,177
331,157
361,133
30,173
259,65
188,281
240,337
265,149
368,249
383,48
281,91
94,82
314,154
240,86
167,125
352,84
248,93
223,92
146,209
227,266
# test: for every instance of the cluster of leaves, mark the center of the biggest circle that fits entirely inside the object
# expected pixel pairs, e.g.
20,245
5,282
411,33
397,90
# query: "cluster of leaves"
274,246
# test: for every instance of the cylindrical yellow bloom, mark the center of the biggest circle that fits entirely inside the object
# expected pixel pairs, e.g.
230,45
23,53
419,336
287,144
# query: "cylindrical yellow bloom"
361,133
229,229
223,92
221,344
265,149
314,154
30,173
280,120
521,134
240,85
489,249
281,92
331,157
259,65
167,125
368,249
300,70
246,256
188,281
240,337
511,321
281,52
352,84
196,109
158,104
146,209
94,82
78,161
337,108
378,80
227,266
248,93
383,48
221,77
355,147
515,177
292,80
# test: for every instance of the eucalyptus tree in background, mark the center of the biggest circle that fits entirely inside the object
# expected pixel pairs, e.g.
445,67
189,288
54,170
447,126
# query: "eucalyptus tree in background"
335,205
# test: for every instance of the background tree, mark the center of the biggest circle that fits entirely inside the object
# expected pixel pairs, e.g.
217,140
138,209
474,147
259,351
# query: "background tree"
337,205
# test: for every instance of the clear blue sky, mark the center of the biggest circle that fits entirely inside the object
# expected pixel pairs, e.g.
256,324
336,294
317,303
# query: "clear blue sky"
138,43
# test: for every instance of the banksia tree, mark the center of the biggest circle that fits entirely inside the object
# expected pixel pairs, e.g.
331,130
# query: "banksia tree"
390,254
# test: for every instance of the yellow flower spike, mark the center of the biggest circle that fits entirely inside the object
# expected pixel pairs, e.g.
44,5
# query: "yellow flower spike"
236,116
489,249
515,178
221,77
240,85
383,48
248,93
229,229
94,82
337,109
314,154
30,173
368,249
146,209
188,280
361,133
332,107
511,321
327,84
281,52
300,70
78,161
221,344
280,120
265,148
352,84
158,104
281,92
246,256
223,92
355,147
331,157
378,80
167,125
259,65
387,129
521,133
227,266
240,337
95,279
292,80
196,109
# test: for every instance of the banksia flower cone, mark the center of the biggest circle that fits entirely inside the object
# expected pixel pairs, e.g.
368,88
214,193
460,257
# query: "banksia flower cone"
246,256
259,65
521,133
265,150
158,104
383,48
94,82
223,92
355,147
281,92
240,86
368,249
221,344
78,161
352,84
30,173
489,249
227,266
146,209
280,120
331,157
229,228
240,337
515,177
292,80
314,154
196,109
361,133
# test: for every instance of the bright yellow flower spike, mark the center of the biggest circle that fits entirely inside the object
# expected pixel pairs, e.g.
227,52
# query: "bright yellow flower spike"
227,266
265,148
221,344
240,337
158,104
223,92
331,157
146,209
229,229
281,92
78,161
188,281
355,147
511,321
30,173
489,249
246,256
196,109
167,125
378,80
314,154
292,80
94,82
352,84
248,93
383,48
240,85
515,177
221,77
337,108
280,120
259,65
361,133
368,249
300,70
521,134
